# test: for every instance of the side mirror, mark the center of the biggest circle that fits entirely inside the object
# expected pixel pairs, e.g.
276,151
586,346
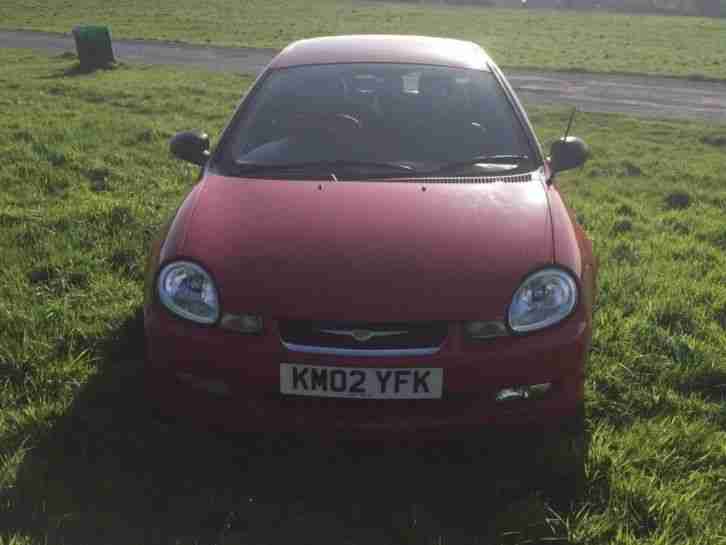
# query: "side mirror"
192,146
569,152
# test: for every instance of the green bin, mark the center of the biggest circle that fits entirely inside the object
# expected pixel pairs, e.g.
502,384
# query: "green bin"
93,44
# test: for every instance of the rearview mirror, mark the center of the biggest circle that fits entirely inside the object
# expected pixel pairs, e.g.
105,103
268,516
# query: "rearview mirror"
192,146
569,152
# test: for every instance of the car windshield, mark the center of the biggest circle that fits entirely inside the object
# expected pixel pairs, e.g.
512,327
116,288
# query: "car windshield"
380,119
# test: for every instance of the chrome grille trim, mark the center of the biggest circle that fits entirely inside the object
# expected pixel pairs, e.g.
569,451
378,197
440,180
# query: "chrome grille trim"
385,353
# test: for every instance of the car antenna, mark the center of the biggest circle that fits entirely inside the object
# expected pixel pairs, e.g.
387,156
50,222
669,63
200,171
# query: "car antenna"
567,133
569,123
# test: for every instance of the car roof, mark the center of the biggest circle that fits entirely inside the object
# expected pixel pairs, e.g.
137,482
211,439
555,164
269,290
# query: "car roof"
372,48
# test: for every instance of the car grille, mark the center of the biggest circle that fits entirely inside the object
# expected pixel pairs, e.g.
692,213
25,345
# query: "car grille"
329,337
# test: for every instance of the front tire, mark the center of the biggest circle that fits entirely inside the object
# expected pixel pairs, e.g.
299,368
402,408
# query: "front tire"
560,462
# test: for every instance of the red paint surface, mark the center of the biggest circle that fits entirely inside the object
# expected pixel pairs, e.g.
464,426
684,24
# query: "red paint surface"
383,48
368,251
473,372
378,251
375,251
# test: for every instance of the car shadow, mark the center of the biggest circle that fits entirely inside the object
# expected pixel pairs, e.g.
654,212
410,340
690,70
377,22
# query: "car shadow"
111,471
709,383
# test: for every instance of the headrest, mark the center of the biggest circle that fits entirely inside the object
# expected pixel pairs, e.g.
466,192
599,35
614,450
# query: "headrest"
436,85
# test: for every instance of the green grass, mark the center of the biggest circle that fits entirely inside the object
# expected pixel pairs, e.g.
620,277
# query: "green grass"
86,180
562,40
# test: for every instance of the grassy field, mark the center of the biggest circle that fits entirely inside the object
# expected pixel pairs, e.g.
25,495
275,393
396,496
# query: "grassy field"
86,179
602,42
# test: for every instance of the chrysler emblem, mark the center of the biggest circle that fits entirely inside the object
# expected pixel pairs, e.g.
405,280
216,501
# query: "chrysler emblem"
361,335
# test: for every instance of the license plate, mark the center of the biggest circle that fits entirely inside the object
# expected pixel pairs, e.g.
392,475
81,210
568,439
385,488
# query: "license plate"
357,382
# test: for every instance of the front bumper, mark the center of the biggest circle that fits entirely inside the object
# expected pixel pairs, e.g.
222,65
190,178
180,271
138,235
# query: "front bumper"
226,380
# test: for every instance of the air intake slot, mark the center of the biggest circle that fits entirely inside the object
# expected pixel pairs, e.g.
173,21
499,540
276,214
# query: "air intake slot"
513,179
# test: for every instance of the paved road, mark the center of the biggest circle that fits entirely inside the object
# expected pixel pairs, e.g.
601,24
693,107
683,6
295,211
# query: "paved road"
647,96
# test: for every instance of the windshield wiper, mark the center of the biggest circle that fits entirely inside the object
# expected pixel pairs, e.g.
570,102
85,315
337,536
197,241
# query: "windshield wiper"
481,159
248,167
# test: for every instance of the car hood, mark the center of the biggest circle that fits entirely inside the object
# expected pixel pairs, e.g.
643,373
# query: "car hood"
369,251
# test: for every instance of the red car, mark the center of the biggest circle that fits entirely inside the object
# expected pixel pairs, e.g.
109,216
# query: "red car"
376,244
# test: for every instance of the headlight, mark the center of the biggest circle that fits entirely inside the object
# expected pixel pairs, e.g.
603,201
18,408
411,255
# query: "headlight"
544,298
188,291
